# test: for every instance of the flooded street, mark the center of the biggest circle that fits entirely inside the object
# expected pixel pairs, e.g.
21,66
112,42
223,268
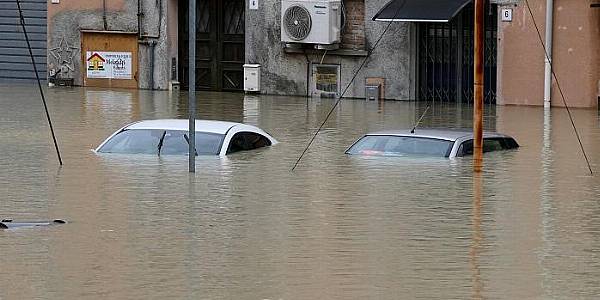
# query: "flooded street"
338,227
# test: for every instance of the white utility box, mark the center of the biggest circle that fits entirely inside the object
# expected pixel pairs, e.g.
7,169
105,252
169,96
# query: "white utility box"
252,77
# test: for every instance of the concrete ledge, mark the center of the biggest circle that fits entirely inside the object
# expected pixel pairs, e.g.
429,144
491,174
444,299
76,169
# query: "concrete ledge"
339,52
107,31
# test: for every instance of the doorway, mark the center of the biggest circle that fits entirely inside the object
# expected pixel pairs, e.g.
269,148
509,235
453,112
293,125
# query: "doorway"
445,58
220,40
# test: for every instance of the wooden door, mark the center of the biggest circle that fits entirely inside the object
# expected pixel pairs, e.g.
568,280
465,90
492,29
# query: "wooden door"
220,33
102,42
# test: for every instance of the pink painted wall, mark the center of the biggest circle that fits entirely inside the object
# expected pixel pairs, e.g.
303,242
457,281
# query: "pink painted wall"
576,54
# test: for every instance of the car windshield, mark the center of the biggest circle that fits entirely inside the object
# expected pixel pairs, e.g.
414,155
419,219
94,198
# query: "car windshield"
378,145
147,141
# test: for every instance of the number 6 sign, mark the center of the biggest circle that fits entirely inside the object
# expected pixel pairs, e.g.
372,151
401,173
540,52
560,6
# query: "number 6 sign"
506,14
253,4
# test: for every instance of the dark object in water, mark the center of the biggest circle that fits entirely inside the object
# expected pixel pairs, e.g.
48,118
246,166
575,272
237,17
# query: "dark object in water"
9,224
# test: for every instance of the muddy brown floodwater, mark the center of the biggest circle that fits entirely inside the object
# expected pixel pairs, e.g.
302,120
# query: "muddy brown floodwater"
339,227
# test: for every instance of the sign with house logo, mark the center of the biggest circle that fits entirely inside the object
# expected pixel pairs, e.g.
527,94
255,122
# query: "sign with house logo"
109,65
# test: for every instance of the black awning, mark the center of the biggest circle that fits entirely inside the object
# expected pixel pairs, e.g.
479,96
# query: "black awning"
420,10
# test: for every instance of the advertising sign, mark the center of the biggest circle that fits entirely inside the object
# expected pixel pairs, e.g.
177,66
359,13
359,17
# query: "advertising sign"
112,65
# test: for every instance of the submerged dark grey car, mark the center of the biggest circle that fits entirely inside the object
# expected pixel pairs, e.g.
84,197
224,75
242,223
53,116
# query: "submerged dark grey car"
428,142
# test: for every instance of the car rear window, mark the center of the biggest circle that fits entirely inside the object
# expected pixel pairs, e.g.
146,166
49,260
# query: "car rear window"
147,141
489,145
379,145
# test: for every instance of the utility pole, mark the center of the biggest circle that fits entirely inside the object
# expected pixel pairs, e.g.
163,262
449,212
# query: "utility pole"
548,55
478,87
192,85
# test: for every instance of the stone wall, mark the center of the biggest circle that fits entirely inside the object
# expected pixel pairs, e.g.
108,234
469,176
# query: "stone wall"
286,73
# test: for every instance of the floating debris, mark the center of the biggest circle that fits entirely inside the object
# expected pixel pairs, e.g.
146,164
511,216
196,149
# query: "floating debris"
9,224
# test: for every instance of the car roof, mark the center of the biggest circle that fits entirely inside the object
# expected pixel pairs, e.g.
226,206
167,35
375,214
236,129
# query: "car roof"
441,134
210,126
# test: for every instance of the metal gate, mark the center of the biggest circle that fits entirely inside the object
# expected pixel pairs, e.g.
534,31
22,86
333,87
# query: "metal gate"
15,62
445,58
220,53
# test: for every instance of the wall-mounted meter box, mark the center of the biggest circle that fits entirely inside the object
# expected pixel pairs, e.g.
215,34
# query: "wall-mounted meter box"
252,77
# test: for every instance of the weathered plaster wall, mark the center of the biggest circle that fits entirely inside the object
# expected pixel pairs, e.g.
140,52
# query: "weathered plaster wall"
172,23
68,18
285,74
576,54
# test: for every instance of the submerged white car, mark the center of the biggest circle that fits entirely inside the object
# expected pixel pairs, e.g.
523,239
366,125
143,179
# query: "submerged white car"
170,137
432,142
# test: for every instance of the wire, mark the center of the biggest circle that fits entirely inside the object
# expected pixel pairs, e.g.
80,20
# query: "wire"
37,76
323,57
560,89
347,86
344,17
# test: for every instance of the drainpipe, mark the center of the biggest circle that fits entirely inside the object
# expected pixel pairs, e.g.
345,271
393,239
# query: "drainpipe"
152,44
140,15
150,40
105,23
548,53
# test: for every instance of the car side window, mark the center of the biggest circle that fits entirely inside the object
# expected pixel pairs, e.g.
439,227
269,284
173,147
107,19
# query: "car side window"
466,148
489,145
510,143
243,141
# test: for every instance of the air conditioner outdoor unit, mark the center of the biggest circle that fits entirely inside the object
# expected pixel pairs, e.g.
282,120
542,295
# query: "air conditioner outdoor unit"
311,21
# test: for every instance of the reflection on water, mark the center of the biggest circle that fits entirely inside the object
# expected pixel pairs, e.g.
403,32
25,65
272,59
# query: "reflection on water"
339,227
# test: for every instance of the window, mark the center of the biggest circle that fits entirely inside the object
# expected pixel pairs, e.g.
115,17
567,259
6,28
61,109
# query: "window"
326,80
243,141
489,145
400,145
133,141
174,142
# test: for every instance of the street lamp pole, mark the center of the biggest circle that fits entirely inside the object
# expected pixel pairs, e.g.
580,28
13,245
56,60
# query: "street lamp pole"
192,85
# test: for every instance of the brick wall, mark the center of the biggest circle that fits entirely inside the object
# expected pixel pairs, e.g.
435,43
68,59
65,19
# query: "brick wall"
353,36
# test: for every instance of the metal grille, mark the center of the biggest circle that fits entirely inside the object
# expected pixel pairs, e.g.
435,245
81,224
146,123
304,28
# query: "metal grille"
445,63
15,62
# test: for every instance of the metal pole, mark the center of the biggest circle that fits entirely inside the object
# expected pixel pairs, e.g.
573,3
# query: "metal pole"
478,87
192,85
37,76
548,53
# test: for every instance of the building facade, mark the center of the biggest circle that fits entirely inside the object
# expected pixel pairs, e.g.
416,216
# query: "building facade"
15,60
575,53
413,61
